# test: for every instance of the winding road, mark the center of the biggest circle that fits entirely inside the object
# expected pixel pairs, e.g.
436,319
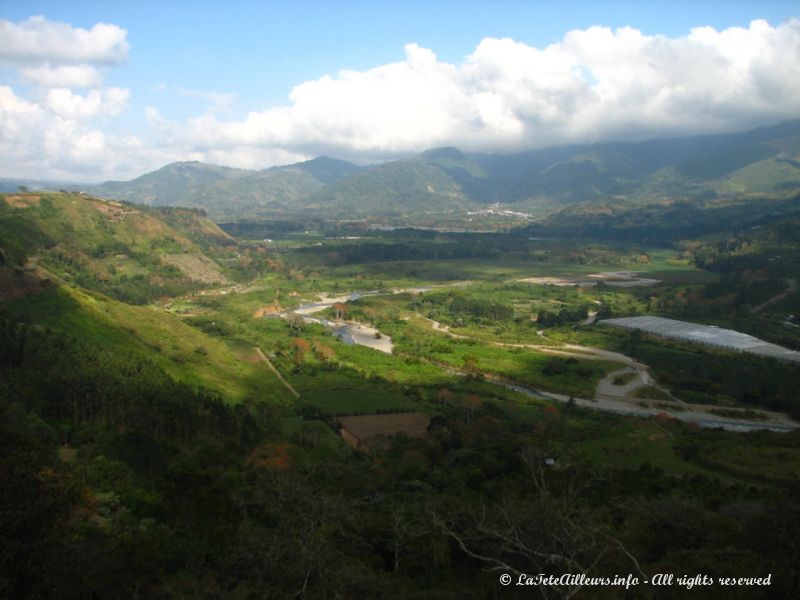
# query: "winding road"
620,399
608,396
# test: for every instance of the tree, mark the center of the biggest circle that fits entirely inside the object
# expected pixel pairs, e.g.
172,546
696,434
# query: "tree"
444,396
470,366
341,310
470,405
406,527
548,531
301,347
296,323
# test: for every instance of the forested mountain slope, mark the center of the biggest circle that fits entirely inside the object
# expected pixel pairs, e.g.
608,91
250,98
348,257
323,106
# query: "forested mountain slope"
446,180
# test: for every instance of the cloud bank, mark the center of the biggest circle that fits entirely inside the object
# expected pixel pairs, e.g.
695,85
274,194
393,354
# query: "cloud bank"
39,40
55,129
595,84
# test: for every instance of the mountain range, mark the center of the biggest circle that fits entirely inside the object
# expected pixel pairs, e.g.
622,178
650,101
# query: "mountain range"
447,181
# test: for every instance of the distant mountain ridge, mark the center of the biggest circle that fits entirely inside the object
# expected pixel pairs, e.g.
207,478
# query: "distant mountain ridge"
764,160
225,191
447,180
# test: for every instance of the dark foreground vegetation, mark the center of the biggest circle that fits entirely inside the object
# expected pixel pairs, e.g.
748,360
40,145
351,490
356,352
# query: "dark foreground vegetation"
119,483
148,451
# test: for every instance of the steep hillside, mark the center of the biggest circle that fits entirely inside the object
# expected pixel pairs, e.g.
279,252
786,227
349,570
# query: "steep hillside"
76,266
123,251
186,354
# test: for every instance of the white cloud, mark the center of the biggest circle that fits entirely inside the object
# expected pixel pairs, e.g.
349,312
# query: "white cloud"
59,142
153,116
108,102
242,155
39,40
69,76
57,132
595,84
50,54
250,157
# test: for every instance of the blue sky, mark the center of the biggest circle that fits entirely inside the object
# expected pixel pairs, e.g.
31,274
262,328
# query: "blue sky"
193,72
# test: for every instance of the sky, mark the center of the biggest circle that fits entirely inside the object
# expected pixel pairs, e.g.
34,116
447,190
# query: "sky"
91,91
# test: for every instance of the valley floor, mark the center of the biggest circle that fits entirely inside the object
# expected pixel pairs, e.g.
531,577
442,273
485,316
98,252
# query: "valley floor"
640,396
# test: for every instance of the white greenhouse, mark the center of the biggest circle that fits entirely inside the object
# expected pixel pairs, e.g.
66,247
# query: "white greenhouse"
710,335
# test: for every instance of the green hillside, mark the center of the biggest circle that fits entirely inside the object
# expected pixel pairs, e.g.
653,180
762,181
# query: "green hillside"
397,188
446,181
228,193
78,265
186,354
128,253
668,221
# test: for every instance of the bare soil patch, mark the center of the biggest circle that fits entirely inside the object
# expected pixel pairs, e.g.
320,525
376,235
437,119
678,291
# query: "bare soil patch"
23,200
269,309
196,267
19,284
115,211
363,429
613,278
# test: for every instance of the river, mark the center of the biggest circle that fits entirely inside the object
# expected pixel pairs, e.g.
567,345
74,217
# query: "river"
365,335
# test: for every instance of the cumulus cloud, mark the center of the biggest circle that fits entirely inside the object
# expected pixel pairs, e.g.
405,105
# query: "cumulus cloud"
172,139
595,84
50,54
108,102
70,76
39,40
57,132
54,140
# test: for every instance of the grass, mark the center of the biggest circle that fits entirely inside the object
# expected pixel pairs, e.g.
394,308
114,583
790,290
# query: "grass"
522,259
121,251
421,353
632,443
184,352
624,378
750,415
651,392
406,272
212,345
415,340
768,462
762,175
527,367
337,394
233,317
